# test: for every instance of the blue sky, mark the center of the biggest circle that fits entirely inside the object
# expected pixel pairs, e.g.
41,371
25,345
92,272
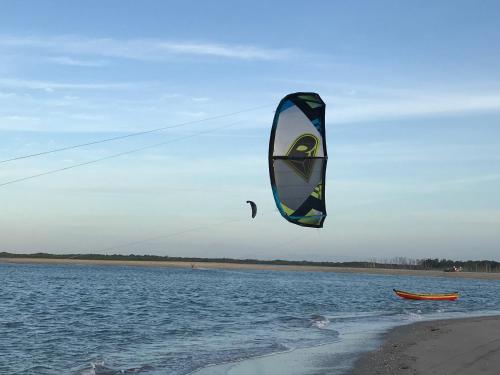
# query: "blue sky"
413,126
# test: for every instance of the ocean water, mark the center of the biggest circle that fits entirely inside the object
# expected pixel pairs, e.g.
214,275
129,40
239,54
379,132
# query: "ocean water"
105,320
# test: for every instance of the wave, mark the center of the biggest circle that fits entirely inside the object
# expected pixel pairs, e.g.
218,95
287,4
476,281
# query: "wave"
314,320
98,368
15,324
319,321
38,369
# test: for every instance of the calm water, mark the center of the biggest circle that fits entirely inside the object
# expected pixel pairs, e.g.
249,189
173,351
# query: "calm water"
113,320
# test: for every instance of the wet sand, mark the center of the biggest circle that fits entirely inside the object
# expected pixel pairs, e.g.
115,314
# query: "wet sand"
458,346
239,266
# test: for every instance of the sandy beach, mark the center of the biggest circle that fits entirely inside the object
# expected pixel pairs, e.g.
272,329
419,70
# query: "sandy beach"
457,346
239,266
467,346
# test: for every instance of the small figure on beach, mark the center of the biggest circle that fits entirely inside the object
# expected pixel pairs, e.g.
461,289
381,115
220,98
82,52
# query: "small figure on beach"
453,269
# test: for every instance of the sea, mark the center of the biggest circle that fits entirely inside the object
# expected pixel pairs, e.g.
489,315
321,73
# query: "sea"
110,320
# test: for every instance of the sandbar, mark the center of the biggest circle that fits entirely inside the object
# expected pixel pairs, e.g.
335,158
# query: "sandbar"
250,266
467,346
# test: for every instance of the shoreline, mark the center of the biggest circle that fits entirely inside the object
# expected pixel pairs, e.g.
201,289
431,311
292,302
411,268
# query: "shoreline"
458,346
451,346
262,267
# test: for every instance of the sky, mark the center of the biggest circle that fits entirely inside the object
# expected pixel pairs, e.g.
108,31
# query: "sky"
412,93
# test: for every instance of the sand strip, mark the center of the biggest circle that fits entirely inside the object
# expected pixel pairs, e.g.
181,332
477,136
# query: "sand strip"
457,346
240,266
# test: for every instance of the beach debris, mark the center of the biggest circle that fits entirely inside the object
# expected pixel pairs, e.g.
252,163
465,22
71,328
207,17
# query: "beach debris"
453,269
298,158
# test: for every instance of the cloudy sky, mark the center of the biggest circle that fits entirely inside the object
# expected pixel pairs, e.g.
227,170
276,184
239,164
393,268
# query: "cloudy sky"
413,126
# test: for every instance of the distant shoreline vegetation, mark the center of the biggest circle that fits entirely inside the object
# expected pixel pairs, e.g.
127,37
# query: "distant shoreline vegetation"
394,263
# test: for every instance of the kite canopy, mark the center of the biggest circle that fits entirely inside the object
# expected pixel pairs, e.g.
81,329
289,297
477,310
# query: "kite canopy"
297,159
254,208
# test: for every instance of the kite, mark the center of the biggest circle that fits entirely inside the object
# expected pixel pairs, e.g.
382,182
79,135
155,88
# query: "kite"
254,208
297,159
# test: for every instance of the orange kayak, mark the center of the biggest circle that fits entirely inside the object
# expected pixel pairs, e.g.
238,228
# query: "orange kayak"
428,296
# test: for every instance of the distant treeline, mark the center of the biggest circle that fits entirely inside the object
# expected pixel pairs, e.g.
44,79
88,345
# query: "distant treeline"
394,263
468,266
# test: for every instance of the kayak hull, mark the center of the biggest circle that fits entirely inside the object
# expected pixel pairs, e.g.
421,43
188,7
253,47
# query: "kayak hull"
427,297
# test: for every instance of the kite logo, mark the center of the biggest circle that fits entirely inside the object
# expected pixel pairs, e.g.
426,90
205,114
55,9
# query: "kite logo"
305,146
300,155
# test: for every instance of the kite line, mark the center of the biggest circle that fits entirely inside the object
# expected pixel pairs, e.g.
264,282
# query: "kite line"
179,125
117,155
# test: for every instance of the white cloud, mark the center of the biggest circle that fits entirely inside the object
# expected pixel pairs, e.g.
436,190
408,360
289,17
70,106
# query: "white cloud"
6,95
472,216
50,86
465,182
353,102
200,99
372,191
71,61
142,49
390,152
361,109
19,122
